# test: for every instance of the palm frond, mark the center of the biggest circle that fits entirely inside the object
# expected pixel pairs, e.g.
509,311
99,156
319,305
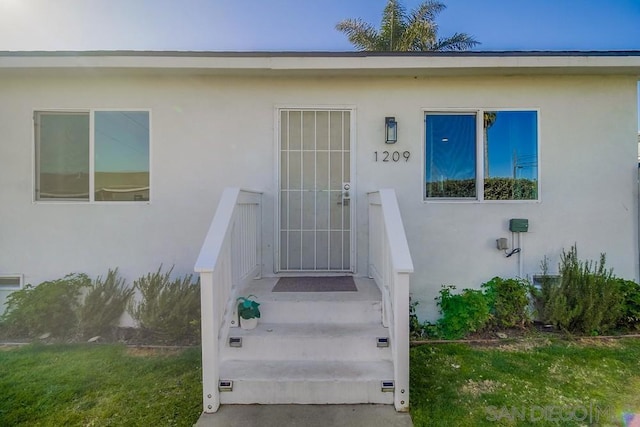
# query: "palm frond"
400,31
420,36
427,11
393,25
457,42
360,34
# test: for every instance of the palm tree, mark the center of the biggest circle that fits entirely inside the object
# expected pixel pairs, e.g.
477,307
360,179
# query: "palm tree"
489,119
399,31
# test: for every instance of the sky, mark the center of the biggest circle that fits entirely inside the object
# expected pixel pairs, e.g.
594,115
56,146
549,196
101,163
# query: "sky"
305,25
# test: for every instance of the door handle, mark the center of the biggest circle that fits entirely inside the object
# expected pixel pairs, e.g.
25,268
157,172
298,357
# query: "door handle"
345,195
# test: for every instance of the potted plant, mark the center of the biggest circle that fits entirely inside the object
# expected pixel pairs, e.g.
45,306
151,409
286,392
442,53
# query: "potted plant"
248,312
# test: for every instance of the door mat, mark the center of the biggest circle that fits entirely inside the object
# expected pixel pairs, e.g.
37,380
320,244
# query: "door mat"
315,284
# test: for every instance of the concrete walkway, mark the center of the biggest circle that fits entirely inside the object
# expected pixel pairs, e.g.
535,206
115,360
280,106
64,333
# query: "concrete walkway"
306,416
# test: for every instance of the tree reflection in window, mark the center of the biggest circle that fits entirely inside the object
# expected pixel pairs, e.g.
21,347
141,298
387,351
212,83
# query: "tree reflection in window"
508,157
511,155
451,155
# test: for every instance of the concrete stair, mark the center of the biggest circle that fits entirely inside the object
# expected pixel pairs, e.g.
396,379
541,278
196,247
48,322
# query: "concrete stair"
309,348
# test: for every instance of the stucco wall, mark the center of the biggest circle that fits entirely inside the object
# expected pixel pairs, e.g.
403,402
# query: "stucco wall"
210,132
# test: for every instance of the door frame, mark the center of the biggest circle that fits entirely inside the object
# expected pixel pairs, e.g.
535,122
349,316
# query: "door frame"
354,191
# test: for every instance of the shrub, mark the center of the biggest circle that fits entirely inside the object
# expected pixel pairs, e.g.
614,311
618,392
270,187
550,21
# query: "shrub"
49,307
419,330
586,299
103,305
462,313
168,311
630,318
508,301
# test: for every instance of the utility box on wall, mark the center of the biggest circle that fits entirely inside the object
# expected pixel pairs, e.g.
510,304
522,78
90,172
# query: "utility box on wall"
519,225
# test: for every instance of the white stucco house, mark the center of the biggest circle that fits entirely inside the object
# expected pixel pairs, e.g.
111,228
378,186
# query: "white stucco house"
401,170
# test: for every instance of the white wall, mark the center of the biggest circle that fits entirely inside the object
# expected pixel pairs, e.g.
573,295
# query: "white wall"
211,132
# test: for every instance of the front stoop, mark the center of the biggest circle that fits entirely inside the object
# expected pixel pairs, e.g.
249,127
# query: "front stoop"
310,348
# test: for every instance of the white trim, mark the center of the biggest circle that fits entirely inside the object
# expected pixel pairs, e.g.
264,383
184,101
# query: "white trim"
479,112
479,156
91,113
354,187
276,186
320,64
20,285
92,156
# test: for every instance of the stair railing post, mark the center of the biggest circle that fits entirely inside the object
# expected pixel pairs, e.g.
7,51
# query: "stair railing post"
209,325
401,341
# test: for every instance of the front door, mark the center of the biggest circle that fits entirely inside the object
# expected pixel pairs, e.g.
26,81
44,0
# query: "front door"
315,191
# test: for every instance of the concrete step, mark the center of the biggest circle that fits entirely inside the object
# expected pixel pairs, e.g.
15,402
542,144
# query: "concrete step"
306,382
363,306
308,311
309,348
309,341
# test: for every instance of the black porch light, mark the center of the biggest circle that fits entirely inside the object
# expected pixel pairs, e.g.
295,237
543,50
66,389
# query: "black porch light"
391,130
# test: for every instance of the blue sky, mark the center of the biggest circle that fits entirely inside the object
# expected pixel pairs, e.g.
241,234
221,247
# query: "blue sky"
305,24
273,25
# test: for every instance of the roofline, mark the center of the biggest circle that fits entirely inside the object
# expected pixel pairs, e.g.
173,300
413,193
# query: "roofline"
318,54
324,64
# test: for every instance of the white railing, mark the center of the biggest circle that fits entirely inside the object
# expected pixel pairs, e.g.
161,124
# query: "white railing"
231,252
390,265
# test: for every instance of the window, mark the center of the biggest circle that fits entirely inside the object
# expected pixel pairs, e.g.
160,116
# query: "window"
92,156
451,155
501,163
10,283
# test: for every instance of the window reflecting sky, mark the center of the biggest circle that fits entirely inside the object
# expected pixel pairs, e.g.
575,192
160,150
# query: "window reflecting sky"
122,141
451,147
513,147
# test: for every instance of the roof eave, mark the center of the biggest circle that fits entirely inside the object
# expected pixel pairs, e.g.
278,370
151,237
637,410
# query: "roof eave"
331,63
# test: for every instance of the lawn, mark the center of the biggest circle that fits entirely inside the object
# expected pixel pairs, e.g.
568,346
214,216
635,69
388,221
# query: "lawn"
529,382
526,382
99,385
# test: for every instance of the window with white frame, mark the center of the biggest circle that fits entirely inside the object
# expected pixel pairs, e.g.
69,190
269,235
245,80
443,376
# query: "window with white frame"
483,155
10,282
92,155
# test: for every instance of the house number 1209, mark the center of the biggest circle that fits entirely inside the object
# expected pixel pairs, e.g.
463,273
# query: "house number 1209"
391,156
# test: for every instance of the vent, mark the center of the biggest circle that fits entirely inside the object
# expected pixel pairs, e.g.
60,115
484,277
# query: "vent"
387,386
225,385
10,282
235,341
382,342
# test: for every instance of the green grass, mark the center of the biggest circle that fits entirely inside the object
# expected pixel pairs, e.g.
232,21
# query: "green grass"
99,385
451,385
523,384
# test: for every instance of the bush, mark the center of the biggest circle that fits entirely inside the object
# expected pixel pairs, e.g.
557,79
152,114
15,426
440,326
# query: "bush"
586,299
103,305
168,311
49,307
630,319
419,330
508,300
503,303
462,313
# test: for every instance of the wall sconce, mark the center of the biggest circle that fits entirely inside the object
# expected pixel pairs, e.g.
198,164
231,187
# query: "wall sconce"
391,130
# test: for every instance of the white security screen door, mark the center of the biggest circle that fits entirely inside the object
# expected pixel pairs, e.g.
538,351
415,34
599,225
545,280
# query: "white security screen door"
315,191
